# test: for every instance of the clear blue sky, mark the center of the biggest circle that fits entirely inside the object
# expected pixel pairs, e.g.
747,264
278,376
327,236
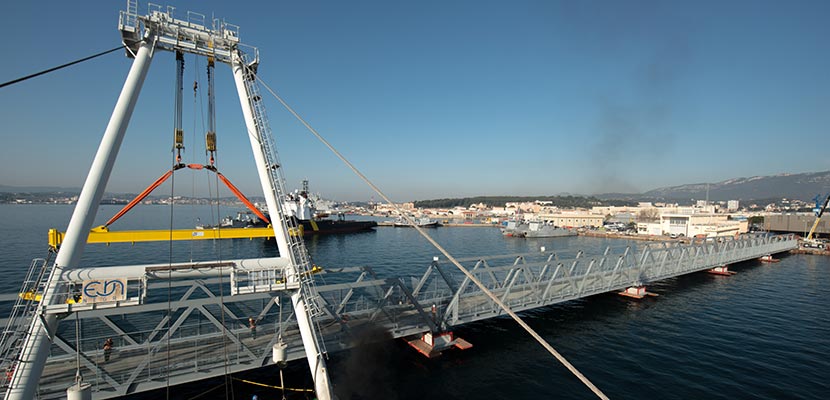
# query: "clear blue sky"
436,99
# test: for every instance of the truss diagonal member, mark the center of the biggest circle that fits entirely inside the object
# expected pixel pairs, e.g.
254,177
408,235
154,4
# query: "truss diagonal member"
513,276
435,266
545,268
617,271
455,302
213,296
568,272
228,333
418,307
661,268
585,276
349,294
383,301
424,278
118,331
155,347
489,271
447,278
88,363
172,308
526,271
559,267
328,310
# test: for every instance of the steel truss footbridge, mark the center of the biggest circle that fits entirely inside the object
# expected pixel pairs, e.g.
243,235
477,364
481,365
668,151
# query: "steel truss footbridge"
186,322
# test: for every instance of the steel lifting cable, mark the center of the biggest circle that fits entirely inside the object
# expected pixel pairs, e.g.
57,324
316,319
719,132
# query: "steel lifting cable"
178,145
228,380
196,99
78,377
170,286
452,259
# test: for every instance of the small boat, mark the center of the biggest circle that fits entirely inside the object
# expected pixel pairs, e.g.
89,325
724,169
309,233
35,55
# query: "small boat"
509,227
768,259
422,222
535,229
243,219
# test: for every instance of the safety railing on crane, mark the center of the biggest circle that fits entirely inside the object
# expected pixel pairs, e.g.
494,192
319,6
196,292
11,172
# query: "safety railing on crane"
296,245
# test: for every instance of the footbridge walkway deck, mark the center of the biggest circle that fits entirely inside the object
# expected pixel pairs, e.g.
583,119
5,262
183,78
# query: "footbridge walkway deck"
186,329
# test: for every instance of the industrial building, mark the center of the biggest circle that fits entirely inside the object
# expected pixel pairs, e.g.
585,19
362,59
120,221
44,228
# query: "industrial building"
572,219
705,224
796,223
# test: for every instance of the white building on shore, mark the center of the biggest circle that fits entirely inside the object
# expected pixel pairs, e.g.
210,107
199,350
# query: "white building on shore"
700,224
572,219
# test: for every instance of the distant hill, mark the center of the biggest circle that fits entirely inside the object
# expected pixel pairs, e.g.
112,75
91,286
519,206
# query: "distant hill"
802,186
761,189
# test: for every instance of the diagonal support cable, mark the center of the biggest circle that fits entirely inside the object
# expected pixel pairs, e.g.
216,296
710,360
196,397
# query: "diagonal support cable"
21,79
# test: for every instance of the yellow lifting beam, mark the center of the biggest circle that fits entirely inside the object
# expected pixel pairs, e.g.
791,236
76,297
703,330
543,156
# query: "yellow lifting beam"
104,235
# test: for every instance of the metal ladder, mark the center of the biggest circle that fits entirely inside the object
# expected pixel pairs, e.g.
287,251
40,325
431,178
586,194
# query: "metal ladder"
295,241
20,318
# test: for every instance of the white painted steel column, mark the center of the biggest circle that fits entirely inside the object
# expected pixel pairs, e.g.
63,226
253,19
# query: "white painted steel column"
316,362
259,157
36,346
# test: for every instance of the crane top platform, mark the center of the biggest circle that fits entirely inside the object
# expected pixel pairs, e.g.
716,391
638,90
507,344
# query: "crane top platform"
189,35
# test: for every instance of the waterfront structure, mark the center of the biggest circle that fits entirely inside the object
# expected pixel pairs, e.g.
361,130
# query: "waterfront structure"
614,210
535,229
693,225
799,223
572,219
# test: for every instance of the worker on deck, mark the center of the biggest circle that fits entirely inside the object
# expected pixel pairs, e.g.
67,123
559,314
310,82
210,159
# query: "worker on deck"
107,349
252,325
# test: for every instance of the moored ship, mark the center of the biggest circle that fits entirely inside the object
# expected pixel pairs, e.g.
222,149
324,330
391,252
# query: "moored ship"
302,208
535,229
423,222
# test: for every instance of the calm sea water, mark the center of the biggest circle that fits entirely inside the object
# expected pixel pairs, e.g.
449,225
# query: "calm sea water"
761,334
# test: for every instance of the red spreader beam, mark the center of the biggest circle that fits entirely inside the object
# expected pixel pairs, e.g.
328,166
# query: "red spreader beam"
164,177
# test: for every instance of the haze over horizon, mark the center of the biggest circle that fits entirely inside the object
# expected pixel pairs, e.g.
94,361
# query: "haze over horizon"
434,100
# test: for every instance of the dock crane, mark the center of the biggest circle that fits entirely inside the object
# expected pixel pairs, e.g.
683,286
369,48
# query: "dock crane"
819,211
